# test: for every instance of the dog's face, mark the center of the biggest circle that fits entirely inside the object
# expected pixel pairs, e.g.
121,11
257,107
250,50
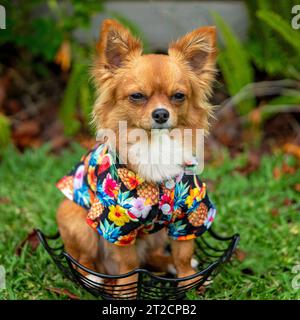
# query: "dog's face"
153,91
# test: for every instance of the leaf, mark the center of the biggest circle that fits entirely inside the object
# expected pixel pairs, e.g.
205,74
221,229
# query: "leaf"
240,255
64,292
292,149
278,24
26,134
288,169
68,107
5,132
235,65
287,202
33,241
277,173
255,116
4,200
64,55
275,212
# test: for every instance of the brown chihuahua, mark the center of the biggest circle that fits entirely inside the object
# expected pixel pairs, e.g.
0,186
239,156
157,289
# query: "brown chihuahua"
135,206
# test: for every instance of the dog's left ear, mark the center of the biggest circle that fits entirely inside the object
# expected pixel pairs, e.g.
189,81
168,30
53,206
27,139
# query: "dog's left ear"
197,48
116,44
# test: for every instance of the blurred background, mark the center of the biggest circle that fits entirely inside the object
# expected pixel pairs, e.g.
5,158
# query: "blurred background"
46,50
252,154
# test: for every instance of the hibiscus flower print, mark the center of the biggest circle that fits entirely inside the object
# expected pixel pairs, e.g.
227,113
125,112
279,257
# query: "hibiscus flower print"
166,204
210,217
118,215
105,164
78,177
110,186
140,208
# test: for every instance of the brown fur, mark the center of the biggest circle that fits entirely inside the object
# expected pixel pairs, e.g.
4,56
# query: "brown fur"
120,70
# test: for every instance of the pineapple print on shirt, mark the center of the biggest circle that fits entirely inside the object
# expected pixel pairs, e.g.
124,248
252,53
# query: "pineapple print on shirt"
121,205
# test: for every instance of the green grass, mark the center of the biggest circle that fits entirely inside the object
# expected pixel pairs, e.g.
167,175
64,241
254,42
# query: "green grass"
28,199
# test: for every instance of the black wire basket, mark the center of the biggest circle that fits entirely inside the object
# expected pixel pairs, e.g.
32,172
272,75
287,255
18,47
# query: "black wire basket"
211,251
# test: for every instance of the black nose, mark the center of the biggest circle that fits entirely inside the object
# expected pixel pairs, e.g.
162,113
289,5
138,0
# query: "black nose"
160,115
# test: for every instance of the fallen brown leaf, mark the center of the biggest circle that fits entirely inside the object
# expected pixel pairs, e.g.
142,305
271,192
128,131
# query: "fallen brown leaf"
288,169
64,292
63,56
58,143
255,116
32,240
5,200
292,149
277,173
26,134
297,187
201,290
287,202
4,85
275,212
240,255
27,128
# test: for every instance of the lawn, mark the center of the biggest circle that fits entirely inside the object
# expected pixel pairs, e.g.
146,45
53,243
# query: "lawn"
262,206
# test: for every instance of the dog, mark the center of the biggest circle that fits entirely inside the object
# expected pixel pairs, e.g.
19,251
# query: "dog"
120,210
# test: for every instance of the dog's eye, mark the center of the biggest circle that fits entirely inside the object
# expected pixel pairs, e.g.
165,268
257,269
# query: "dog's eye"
137,97
178,97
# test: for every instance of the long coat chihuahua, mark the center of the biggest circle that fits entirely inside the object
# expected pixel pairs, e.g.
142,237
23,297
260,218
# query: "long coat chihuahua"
124,199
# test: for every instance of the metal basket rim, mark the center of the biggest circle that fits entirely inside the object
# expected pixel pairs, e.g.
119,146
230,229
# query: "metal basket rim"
223,258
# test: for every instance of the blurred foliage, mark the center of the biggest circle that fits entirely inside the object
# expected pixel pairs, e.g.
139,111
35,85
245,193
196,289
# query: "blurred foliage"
287,101
46,30
235,65
41,26
43,32
4,132
272,48
273,45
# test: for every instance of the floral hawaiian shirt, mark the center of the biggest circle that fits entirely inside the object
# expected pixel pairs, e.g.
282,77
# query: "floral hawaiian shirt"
122,206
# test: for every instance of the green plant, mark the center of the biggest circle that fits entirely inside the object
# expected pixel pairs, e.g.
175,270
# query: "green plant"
39,27
45,30
282,27
235,65
277,56
4,132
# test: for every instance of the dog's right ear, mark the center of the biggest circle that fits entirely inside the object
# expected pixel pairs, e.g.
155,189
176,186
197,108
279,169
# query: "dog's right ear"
116,44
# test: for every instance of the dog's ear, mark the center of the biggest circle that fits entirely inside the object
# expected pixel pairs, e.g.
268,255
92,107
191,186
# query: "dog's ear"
116,44
197,48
